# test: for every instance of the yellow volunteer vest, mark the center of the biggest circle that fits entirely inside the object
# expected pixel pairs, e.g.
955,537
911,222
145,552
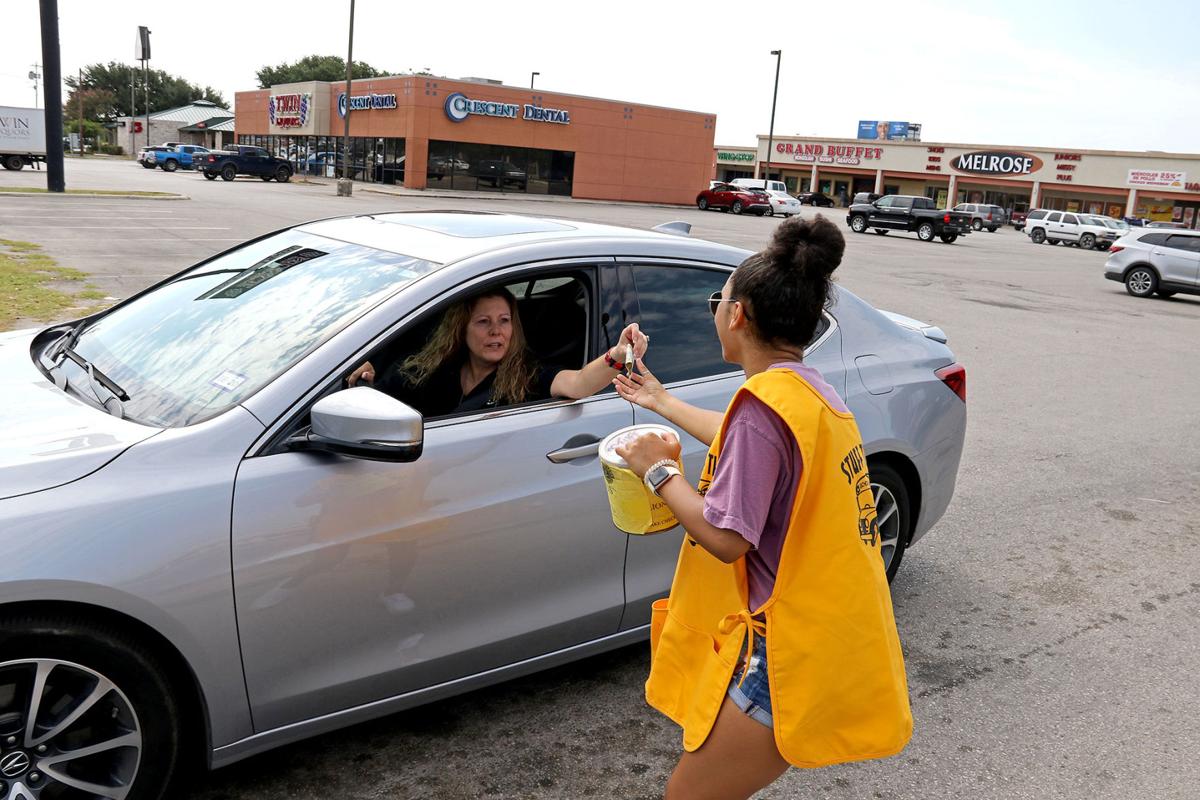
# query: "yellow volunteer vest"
836,671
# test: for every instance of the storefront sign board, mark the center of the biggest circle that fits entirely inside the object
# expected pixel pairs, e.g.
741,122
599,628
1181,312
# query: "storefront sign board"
997,162
1163,179
364,102
458,107
289,110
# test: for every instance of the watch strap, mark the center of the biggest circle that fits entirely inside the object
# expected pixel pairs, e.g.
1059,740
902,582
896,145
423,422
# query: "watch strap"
671,468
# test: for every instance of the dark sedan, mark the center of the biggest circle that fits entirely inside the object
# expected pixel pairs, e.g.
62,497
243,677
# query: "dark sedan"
727,197
816,199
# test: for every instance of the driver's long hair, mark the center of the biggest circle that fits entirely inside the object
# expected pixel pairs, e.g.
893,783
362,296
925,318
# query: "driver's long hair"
514,375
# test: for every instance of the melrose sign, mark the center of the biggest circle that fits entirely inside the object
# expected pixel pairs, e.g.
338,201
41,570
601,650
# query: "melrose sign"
997,162
459,107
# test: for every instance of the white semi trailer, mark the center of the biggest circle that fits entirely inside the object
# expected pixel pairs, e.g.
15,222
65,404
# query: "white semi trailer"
22,136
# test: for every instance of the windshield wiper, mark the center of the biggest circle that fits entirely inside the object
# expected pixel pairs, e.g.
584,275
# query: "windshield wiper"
96,378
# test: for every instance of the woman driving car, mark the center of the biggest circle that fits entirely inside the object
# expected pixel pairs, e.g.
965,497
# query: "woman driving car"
477,358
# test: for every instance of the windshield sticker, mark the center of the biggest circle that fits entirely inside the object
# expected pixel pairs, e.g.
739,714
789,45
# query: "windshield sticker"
228,380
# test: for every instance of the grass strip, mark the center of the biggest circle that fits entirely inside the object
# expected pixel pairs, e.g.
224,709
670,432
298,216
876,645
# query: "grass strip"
39,190
26,290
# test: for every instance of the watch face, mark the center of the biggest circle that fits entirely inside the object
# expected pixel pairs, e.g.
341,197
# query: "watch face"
657,476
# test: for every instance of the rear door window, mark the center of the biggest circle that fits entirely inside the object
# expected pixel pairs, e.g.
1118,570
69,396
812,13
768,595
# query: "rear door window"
1190,243
1055,217
674,311
1070,219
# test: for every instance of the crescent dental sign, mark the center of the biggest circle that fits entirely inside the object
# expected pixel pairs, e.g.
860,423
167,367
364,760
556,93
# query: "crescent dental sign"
459,107
997,162
364,102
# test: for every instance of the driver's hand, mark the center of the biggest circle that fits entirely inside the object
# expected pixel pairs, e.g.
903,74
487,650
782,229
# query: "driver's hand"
365,374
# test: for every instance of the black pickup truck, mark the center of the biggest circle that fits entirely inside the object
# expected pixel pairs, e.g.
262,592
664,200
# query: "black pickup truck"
901,212
242,159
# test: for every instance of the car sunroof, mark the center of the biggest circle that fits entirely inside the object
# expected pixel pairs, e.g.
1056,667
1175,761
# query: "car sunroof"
471,226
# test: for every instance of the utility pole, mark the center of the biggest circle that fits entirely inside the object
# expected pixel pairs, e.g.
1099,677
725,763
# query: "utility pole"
132,111
55,180
34,75
345,187
141,52
79,97
771,134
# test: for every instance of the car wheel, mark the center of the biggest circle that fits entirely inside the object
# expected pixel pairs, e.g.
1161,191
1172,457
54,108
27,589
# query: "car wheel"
149,165
736,207
1102,246
881,232
925,231
976,225
992,230
770,212
170,165
228,172
858,223
212,176
1087,241
283,175
13,163
891,515
1141,282
1037,236
948,238
84,711
702,204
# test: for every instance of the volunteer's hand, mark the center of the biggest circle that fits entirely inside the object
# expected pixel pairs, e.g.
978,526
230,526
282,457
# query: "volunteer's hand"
365,373
641,388
631,335
644,451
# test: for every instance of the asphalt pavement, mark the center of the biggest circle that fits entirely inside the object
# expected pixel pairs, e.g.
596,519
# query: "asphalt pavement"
1048,620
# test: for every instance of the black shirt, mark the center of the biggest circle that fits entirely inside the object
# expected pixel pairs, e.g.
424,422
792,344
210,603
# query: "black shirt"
442,394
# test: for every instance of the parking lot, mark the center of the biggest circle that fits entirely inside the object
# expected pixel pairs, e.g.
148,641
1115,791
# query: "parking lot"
1048,620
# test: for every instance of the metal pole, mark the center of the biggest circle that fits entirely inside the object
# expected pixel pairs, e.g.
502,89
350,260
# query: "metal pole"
52,81
146,82
532,75
345,188
79,96
132,113
771,134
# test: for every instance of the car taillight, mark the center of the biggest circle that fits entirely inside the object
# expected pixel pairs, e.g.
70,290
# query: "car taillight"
1116,248
989,216
955,377
946,218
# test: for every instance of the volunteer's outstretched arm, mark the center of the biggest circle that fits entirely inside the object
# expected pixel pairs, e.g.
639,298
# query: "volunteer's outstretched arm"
645,390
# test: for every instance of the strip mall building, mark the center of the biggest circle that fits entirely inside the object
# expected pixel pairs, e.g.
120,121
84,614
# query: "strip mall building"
1152,185
482,136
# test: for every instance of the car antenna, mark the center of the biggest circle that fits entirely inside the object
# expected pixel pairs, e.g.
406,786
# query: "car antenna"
676,228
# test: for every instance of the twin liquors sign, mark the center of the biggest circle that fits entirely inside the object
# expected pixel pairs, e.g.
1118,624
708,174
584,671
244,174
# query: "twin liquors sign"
459,107
289,110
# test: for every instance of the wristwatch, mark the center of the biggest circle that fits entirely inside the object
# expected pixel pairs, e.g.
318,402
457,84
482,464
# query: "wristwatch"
659,473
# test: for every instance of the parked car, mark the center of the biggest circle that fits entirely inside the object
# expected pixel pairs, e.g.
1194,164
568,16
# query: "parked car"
180,156
148,156
1161,224
1119,225
901,212
727,197
1017,218
865,197
760,183
316,162
1069,227
1150,261
815,199
983,216
213,548
499,173
780,201
244,159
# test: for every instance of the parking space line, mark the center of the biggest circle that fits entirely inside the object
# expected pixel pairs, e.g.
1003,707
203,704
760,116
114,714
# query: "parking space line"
119,228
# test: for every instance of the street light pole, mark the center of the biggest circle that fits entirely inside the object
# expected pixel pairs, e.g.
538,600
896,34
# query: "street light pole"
52,86
771,134
532,75
344,186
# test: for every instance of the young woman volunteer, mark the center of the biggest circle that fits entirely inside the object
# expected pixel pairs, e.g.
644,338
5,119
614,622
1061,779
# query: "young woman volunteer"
777,645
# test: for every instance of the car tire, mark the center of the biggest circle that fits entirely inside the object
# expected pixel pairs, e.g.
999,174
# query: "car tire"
228,172
141,707
1054,241
770,212
892,515
948,238
976,225
702,204
170,165
1037,236
283,175
1087,241
925,231
1102,246
858,223
212,176
1141,281
881,232
736,207
14,163
992,230
148,165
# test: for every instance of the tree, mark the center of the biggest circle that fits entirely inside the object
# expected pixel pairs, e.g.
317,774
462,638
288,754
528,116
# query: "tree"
105,91
314,68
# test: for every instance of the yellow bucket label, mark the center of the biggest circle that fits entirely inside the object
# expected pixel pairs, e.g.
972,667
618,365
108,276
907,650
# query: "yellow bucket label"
635,509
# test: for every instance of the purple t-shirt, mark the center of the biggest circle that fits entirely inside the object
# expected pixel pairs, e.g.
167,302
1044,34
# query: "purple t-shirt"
756,478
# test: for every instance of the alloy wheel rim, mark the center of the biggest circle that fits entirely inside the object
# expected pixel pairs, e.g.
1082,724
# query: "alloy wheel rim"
1139,281
65,730
859,225
887,517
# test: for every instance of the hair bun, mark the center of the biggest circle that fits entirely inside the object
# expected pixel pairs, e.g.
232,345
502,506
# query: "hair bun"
812,247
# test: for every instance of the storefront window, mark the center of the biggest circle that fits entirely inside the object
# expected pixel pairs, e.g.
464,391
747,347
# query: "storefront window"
495,168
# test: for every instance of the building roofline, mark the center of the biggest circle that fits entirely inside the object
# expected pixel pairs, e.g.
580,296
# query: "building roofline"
981,146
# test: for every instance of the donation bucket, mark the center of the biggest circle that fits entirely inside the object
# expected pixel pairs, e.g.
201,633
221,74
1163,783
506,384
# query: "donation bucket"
635,509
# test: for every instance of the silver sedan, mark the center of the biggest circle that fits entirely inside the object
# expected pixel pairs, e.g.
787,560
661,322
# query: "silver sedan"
211,547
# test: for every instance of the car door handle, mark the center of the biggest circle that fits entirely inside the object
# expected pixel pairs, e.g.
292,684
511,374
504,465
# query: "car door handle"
581,446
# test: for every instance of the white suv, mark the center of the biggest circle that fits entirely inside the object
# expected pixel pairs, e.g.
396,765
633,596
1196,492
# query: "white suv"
1069,227
781,201
1156,261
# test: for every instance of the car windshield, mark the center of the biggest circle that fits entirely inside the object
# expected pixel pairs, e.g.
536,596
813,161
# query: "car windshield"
214,335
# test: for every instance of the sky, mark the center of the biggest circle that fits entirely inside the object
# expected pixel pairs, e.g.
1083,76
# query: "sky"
1104,74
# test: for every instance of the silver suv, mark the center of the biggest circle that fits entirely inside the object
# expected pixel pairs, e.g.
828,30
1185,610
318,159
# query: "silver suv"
1156,262
983,216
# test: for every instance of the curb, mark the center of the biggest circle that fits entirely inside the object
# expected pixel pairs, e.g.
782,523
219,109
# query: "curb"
97,196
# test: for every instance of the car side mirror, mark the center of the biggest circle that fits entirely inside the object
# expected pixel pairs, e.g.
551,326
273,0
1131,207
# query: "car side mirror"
362,422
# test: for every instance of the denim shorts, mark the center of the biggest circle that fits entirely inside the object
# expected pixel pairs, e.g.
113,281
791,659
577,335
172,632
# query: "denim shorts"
753,697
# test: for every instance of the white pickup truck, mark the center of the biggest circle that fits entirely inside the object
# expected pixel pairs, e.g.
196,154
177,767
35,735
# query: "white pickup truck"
22,136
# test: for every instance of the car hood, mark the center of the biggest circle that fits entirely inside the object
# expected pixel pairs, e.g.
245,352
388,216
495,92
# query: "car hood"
49,437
